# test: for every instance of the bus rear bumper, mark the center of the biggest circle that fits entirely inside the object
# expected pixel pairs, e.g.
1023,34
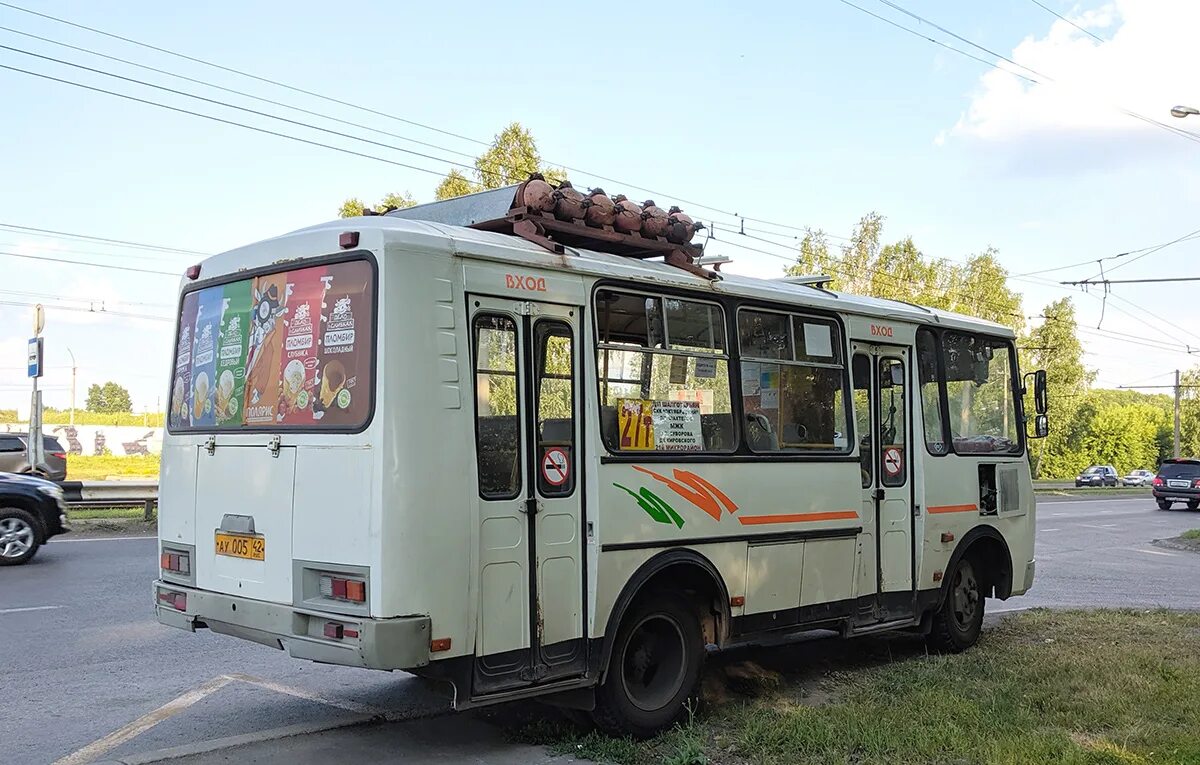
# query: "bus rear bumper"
352,641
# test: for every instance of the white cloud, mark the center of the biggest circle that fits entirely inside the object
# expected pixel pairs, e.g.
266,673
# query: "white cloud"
1146,65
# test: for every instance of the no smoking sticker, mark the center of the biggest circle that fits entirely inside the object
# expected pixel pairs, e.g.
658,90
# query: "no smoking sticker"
555,466
893,461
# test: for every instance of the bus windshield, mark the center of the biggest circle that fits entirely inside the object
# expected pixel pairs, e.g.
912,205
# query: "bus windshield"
290,349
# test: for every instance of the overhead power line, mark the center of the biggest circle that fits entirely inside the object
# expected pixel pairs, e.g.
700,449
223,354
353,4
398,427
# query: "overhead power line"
111,266
122,242
1086,31
97,312
1088,282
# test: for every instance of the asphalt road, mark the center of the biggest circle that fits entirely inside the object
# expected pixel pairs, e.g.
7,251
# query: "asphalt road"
89,675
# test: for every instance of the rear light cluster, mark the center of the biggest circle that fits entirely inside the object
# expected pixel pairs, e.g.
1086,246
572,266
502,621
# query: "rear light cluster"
1196,484
339,588
59,455
1158,481
176,600
176,563
336,631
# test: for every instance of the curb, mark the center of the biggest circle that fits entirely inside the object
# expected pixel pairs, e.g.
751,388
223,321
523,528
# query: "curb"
1171,544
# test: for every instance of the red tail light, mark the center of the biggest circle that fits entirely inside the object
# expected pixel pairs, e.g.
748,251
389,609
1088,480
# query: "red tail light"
1158,481
175,562
176,600
338,588
59,455
192,272
1196,484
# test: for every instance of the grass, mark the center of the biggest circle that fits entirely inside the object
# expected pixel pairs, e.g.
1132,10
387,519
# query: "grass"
105,513
1078,688
89,468
1191,534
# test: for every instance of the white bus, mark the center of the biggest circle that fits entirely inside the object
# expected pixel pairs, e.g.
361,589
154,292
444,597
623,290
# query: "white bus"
409,445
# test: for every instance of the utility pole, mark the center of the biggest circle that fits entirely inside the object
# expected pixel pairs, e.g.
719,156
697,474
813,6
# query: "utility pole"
1176,414
72,387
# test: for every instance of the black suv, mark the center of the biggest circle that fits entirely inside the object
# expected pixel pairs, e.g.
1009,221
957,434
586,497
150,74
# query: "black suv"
1097,475
1177,481
31,511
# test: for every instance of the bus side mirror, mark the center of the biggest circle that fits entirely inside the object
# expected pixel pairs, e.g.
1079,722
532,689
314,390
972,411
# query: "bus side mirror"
1041,426
1041,403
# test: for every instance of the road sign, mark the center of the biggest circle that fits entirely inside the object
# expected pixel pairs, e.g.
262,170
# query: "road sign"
893,461
556,466
35,357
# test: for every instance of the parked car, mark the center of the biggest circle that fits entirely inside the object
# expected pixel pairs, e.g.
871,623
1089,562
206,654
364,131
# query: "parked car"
1177,481
13,459
1138,478
1097,475
31,512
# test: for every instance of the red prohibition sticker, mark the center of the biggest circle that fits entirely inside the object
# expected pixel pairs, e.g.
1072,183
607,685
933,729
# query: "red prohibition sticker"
893,461
556,467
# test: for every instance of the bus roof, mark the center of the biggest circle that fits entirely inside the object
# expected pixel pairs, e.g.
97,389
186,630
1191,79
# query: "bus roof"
495,246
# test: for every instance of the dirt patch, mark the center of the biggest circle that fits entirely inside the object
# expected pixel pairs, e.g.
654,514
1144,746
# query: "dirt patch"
110,527
1178,543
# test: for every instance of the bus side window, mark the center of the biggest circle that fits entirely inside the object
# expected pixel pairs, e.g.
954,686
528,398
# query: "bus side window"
555,387
861,372
497,408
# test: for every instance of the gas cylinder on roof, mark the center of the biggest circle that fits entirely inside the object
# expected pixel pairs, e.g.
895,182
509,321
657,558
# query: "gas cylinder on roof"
681,228
537,194
601,211
568,202
628,215
654,220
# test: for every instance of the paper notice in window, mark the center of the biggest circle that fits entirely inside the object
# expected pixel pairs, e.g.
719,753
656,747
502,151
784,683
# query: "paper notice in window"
679,370
750,384
818,340
770,398
677,426
635,421
706,367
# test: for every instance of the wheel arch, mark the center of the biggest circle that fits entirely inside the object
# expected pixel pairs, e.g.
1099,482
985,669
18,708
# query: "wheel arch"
986,543
688,571
29,505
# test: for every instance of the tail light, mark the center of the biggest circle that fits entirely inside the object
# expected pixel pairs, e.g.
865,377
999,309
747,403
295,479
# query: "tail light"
1158,481
176,600
1196,484
339,588
176,562
59,455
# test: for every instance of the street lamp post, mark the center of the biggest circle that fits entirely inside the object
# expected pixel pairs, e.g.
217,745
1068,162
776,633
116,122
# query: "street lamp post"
72,387
1183,111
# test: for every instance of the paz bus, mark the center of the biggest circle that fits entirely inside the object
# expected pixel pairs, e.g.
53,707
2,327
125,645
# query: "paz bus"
414,442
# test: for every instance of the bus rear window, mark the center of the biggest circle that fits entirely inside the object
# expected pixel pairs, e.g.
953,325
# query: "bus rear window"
291,349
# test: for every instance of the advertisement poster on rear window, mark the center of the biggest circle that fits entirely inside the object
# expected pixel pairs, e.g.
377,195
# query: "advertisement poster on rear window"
345,346
181,384
265,348
302,322
231,354
204,355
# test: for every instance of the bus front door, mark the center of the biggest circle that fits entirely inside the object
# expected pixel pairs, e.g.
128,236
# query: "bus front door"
881,409
530,627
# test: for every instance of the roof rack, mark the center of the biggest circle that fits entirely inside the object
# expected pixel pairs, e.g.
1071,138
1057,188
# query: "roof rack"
504,210
819,281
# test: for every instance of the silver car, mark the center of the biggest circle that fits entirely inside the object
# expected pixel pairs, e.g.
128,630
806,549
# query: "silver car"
1138,478
13,459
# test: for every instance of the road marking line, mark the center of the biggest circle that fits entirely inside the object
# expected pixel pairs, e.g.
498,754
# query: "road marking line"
101,539
1156,552
1056,515
28,608
1049,529
300,693
144,723
1008,610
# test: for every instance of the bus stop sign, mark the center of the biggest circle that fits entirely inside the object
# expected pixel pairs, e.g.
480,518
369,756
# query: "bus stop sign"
35,357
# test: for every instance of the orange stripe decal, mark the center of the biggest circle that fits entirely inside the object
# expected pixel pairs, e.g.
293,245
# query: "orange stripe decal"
953,509
694,489
836,515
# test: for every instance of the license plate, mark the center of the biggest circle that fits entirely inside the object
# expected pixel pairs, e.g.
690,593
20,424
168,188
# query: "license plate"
242,546
1179,484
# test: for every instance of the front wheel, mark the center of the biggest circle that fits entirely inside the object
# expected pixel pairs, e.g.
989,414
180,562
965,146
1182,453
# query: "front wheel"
18,536
957,624
1164,504
654,673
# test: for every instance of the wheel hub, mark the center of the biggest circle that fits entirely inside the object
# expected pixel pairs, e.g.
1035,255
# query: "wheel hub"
655,662
16,537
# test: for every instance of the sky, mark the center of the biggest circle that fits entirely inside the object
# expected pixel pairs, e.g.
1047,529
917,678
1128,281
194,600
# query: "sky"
802,114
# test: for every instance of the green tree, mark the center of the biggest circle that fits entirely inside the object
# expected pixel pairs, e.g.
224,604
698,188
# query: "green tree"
455,184
1054,346
1189,416
353,207
109,398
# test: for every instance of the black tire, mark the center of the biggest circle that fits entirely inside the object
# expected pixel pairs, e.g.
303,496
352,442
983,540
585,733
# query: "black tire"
1193,505
655,669
957,624
1164,505
19,536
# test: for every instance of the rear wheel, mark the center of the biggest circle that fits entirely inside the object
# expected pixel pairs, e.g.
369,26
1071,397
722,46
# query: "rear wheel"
1164,504
957,624
1194,504
654,673
18,536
